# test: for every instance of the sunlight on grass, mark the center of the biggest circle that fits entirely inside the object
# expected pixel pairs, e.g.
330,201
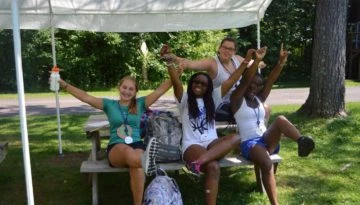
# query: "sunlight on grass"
352,82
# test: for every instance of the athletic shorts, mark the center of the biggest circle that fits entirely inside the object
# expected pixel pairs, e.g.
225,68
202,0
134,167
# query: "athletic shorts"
250,143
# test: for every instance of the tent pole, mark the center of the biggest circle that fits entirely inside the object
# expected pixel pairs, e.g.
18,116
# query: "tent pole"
258,37
53,46
56,92
258,33
21,99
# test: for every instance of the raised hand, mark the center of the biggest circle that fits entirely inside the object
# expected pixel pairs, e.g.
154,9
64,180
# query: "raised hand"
260,53
262,65
165,54
283,55
165,50
250,53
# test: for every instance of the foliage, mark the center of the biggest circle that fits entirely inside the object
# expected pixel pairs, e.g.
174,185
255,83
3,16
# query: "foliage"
7,64
195,45
290,22
328,176
98,60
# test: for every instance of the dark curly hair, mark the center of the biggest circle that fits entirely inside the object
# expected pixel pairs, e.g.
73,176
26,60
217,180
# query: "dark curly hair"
208,100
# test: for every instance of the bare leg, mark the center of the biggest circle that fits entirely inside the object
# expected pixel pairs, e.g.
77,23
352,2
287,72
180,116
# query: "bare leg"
122,155
137,183
219,148
211,169
260,157
280,126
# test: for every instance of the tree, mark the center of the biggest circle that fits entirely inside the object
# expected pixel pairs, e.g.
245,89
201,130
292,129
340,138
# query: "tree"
327,86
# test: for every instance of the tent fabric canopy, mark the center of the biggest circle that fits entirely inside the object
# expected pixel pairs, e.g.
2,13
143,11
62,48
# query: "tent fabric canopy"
134,15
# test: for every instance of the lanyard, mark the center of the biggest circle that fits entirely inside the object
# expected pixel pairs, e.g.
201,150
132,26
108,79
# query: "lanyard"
257,115
125,118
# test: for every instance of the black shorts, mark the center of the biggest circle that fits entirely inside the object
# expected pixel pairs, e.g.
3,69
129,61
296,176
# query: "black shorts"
135,145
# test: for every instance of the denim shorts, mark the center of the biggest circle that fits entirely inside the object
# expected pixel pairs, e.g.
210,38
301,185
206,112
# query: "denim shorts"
250,143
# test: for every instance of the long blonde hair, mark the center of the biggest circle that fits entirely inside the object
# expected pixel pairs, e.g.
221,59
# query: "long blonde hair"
132,105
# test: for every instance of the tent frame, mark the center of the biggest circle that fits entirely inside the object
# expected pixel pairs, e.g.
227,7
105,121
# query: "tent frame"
20,86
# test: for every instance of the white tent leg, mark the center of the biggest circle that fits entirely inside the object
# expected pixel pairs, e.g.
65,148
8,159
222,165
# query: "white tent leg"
58,120
56,92
53,46
21,98
258,34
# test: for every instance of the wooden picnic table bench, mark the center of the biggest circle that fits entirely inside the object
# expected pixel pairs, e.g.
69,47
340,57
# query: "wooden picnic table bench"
97,127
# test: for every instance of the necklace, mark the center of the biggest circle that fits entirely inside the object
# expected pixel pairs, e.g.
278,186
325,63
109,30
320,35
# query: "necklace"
125,118
125,130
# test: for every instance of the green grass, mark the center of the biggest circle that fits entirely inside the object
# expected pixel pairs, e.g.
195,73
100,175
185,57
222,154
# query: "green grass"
319,179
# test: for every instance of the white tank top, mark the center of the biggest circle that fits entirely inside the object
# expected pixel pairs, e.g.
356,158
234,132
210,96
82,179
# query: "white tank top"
196,130
223,74
250,121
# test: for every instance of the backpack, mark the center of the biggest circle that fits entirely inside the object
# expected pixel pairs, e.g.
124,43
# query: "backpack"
224,114
165,126
162,190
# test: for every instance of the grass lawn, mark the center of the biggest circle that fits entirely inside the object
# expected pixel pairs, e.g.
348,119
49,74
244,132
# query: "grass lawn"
328,176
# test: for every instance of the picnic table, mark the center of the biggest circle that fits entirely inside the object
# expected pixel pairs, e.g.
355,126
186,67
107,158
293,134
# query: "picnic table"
97,128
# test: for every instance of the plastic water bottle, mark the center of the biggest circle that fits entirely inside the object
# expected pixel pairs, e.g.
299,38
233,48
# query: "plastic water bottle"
54,77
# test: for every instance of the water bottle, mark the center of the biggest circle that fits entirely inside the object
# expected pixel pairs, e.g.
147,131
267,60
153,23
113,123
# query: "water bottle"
54,77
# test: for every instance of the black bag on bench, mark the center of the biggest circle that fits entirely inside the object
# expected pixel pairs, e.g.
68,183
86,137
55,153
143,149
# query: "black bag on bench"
223,113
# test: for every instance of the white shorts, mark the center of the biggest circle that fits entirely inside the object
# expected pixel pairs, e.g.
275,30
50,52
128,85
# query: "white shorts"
204,144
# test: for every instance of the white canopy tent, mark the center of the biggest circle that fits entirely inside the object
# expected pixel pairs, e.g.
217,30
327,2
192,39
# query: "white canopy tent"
134,15
118,16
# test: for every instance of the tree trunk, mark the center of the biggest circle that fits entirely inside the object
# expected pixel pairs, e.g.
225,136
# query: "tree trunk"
327,88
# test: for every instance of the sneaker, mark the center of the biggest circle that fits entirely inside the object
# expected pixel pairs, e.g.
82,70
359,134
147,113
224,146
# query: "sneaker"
149,157
193,168
305,146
